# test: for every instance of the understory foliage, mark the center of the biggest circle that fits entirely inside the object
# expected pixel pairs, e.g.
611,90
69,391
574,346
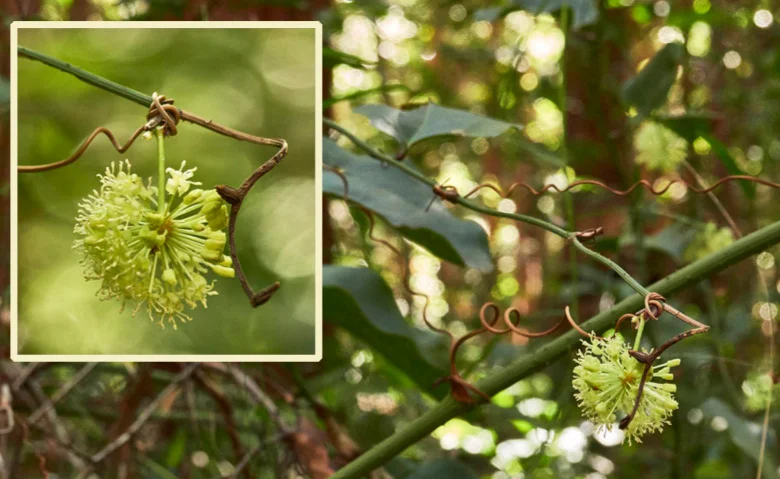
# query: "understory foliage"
468,93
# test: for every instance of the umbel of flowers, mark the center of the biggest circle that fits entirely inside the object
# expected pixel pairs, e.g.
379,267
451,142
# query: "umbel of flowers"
606,383
151,250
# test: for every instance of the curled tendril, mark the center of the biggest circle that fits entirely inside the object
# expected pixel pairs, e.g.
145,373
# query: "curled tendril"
511,319
648,186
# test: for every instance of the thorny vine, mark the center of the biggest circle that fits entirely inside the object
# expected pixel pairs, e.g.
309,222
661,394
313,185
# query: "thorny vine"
490,313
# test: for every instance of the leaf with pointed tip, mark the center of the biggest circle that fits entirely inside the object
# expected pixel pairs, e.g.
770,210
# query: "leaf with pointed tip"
649,89
584,12
431,120
358,300
401,201
331,58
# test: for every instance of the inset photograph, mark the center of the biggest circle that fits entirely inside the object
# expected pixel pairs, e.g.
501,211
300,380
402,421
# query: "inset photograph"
166,191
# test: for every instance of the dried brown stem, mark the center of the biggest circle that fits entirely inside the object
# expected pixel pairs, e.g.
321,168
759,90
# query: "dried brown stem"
123,438
226,409
61,392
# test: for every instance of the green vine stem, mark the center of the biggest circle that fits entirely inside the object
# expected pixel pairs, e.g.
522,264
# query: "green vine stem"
751,244
639,331
474,206
91,78
160,170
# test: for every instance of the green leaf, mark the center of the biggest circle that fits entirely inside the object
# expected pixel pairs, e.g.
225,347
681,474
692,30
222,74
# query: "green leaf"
430,120
5,96
440,468
401,201
363,93
671,240
155,470
584,12
693,126
690,126
725,157
746,435
176,449
649,89
331,58
358,300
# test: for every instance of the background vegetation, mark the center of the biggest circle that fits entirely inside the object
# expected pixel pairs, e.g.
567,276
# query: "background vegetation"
563,78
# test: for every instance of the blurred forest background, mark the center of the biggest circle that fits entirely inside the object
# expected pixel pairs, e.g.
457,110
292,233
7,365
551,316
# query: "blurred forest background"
573,93
241,78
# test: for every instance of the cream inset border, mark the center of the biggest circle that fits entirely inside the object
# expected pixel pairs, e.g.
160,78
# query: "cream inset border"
317,356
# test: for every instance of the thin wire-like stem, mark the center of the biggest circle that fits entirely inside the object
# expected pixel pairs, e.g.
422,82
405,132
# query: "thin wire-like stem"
61,392
82,148
568,201
123,438
160,171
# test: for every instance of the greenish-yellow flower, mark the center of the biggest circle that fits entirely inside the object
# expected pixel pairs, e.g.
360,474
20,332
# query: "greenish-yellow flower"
606,382
154,255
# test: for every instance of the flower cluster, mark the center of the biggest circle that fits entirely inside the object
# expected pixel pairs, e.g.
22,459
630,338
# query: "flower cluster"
151,253
606,381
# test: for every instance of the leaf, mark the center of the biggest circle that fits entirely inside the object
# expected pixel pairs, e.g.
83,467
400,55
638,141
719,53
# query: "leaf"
430,120
690,126
358,300
5,96
331,58
362,93
401,201
725,157
649,89
176,449
672,240
439,468
746,435
693,126
584,12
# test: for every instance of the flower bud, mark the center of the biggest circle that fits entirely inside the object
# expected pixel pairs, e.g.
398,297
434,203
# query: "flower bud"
224,271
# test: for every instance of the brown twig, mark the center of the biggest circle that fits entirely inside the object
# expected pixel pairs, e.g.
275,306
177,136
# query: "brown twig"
61,392
255,391
227,414
123,438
